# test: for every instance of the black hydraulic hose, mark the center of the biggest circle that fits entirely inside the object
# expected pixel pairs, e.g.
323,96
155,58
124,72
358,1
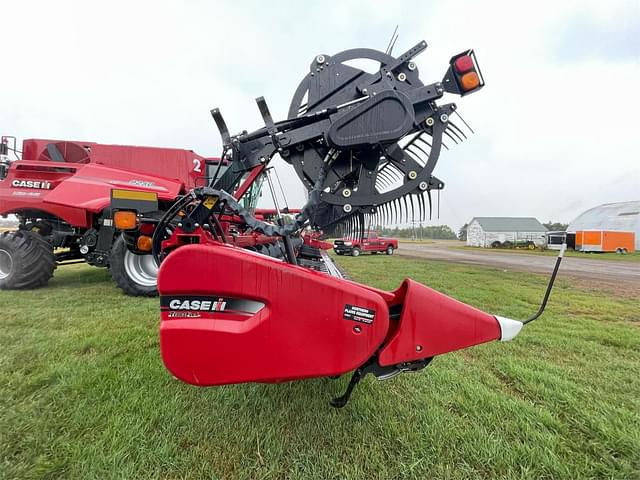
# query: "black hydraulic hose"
220,229
156,241
238,209
215,176
549,287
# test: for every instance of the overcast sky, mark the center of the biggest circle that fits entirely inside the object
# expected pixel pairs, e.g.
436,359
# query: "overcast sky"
557,127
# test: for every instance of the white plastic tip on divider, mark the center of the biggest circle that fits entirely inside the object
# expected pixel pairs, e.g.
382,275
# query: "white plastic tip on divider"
563,248
509,328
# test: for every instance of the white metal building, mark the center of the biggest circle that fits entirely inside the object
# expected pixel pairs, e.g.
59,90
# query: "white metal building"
620,217
494,231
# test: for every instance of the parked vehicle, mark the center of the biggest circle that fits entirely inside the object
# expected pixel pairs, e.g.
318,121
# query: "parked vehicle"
605,241
371,243
522,244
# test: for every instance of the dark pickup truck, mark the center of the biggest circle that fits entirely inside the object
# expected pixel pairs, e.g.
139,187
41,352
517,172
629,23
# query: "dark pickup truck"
370,243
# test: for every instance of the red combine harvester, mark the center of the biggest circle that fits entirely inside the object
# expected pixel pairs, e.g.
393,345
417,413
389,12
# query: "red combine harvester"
61,193
365,145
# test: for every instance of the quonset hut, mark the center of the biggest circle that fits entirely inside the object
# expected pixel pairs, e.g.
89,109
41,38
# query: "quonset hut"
619,217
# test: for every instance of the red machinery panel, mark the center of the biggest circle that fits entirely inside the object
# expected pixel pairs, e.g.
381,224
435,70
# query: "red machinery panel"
243,317
171,163
432,323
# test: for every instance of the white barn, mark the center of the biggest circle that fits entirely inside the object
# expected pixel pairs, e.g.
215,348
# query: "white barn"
495,231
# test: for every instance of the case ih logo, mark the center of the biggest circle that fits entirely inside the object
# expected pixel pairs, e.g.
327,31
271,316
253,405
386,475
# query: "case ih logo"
38,184
192,306
198,305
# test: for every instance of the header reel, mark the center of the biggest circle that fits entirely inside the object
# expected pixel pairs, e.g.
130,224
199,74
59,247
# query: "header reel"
373,138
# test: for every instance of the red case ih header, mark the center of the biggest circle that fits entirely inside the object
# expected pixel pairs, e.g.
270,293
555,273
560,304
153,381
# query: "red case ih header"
365,145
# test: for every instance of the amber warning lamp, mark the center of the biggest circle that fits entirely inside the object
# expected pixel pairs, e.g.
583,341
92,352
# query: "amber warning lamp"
463,76
125,220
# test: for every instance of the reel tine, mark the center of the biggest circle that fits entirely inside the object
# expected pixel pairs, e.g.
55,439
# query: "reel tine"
454,126
430,204
413,209
385,179
395,211
446,132
393,171
406,209
414,155
387,171
391,41
463,121
424,162
452,131
421,206
396,172
425,142
416,137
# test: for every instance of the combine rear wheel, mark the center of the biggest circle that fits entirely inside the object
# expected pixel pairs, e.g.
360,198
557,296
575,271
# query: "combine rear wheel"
136,275
26,261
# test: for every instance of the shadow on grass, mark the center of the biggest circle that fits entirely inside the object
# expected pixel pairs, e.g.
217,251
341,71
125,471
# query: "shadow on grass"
69,276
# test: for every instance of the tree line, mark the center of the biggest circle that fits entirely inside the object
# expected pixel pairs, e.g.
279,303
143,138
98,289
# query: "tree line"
419,232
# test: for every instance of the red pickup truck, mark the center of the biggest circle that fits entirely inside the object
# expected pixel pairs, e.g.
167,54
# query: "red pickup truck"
371,242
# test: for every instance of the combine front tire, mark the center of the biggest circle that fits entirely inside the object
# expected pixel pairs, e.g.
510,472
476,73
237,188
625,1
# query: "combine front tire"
26,261
136,275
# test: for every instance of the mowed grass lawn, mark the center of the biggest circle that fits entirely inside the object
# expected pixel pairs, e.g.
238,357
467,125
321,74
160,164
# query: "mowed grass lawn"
83,393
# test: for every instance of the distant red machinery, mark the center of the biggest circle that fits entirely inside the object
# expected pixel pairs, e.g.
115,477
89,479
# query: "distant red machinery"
61,193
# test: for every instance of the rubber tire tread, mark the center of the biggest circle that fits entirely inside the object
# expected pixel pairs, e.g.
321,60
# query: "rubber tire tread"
33,260
119,274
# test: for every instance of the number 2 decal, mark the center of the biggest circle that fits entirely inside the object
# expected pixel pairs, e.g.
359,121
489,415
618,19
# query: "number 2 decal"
197,165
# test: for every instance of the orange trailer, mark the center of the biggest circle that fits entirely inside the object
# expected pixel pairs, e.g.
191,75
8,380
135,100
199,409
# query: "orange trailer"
605,241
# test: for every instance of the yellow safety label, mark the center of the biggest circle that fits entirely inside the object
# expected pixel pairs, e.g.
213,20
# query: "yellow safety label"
209,202
133,195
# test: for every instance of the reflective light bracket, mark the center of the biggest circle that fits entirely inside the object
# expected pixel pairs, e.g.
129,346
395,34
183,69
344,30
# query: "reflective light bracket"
452,80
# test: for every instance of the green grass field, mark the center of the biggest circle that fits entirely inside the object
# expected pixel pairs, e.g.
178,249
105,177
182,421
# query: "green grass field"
83,393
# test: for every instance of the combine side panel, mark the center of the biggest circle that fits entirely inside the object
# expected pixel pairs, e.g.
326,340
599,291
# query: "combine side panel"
90,188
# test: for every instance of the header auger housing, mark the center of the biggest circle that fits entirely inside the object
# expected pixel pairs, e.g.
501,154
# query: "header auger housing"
365,144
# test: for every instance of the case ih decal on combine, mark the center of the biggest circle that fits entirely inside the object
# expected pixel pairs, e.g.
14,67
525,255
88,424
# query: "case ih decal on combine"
365,144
